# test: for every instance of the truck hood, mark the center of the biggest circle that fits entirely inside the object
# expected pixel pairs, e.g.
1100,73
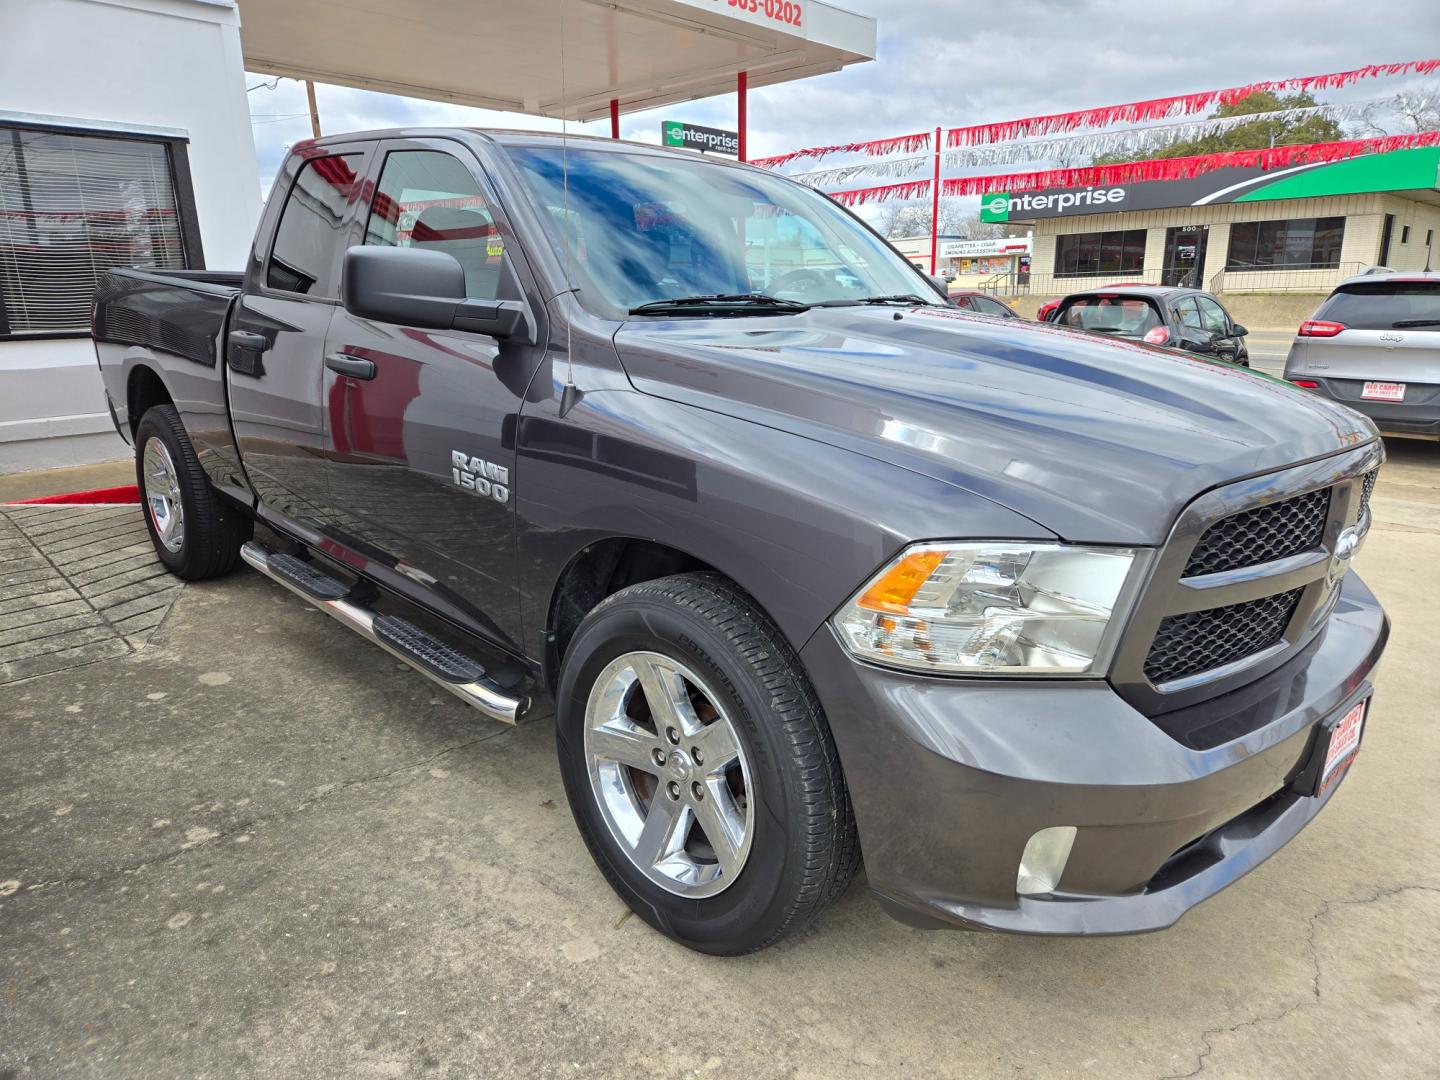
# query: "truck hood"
1096,440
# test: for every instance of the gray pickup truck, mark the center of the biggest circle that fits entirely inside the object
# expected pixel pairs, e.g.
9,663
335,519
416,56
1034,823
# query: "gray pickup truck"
1059,632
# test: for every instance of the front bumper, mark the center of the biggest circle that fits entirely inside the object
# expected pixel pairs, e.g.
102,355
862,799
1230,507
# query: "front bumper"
950,778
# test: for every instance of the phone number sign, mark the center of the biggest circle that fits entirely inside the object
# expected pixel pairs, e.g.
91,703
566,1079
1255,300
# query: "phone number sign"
791,16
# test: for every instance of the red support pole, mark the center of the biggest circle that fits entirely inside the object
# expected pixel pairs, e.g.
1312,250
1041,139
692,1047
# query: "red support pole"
741,81
614,118
935,207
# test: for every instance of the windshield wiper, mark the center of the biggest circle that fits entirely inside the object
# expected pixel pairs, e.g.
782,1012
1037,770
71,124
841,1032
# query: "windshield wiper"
895,298
1415,322
755,300
908,299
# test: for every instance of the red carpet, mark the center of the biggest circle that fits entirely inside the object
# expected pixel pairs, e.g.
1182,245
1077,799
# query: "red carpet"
129,493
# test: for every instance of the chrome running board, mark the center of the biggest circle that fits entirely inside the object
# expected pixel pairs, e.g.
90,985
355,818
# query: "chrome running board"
438,662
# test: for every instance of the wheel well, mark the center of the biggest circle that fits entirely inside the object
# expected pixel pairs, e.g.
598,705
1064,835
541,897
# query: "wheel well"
144,391
602,569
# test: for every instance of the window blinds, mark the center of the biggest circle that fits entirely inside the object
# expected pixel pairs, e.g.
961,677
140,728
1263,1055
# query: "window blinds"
72,206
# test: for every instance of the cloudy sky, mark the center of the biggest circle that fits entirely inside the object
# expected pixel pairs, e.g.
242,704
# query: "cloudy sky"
947,64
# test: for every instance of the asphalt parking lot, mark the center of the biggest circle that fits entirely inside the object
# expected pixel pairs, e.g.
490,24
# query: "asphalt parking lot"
235,840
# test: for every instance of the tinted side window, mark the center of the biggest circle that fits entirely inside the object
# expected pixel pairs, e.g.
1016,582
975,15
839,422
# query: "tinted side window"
307,240
986,306
428,199
1189,314
1213,315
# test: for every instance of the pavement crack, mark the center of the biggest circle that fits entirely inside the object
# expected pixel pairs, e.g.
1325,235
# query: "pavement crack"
324,793
1207,1036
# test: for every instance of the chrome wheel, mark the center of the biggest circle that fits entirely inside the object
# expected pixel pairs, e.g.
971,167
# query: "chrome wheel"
669,774
162,495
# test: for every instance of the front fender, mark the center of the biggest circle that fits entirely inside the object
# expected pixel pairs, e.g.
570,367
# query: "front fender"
798,524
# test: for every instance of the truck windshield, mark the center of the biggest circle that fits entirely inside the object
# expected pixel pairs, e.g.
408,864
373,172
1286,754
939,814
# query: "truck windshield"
646,228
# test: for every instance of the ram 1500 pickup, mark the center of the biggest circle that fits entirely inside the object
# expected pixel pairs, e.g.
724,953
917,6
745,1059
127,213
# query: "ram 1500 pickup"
1060,633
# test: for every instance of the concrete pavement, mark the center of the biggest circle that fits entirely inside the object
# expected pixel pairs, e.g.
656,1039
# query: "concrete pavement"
1268,349
255,846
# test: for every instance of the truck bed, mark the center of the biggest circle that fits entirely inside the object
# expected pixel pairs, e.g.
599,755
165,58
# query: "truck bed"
176,313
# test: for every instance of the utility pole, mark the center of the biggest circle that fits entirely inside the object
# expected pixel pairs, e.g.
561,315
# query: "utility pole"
935,207
314,109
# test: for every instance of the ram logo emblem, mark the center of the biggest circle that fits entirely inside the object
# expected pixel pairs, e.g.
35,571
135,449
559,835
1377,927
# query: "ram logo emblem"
480,476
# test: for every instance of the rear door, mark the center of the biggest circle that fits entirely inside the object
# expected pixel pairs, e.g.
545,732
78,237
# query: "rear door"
423,453
275,347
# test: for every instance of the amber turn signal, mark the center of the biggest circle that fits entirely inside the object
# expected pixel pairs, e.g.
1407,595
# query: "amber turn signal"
895,588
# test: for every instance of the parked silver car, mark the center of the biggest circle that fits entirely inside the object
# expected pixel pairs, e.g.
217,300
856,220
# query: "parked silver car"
1375,345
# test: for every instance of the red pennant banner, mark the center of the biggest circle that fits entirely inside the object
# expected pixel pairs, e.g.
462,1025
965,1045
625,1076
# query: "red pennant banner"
1181,168
912,189
1178,105
1132,172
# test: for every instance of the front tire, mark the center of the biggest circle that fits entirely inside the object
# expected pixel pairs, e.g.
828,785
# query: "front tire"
196,534
699,766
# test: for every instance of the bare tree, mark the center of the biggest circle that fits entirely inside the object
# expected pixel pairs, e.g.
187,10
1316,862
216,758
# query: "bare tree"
1412,111
913,219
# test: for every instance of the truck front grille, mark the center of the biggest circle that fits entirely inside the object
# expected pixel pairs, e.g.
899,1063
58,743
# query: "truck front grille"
1204,640
1244,582
1262,534
1367,491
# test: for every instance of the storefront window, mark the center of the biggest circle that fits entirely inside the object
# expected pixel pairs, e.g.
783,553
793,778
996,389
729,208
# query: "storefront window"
1296,244
75,205
1087,254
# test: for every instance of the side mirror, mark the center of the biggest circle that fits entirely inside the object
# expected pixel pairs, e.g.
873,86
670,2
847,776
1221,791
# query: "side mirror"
1237,330
423,289
940,283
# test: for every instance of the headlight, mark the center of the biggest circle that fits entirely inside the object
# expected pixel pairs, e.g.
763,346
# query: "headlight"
994,608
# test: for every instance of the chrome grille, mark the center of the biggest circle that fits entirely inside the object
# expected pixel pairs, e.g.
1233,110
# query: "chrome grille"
1262,534
1367,491
1242,584
1204,640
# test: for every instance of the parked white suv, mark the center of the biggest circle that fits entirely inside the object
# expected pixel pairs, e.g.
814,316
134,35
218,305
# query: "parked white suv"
1374,344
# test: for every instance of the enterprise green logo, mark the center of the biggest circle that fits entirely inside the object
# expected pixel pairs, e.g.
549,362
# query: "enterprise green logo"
995,207
672,133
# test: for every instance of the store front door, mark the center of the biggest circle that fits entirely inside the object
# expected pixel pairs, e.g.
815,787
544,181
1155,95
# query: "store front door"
1184,256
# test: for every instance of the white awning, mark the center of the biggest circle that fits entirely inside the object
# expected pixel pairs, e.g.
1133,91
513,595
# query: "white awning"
505,54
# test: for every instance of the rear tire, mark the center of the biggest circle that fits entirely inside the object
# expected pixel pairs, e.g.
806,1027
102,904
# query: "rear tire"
756,851
196,533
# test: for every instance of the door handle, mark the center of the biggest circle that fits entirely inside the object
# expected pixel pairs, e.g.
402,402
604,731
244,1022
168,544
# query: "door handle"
245,352
245,339
353,367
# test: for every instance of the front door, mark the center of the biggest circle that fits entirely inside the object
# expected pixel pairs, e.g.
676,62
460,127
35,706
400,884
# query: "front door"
1184,256
422,455
275,348
1217,322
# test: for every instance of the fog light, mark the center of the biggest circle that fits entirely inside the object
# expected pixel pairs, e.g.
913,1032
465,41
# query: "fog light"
1044,860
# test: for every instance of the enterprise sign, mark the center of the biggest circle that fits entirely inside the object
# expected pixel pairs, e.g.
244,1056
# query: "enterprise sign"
1398,170
1002,207
694,137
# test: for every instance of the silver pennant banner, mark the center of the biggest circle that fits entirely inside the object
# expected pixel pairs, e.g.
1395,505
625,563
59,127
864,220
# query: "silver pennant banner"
1066,151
